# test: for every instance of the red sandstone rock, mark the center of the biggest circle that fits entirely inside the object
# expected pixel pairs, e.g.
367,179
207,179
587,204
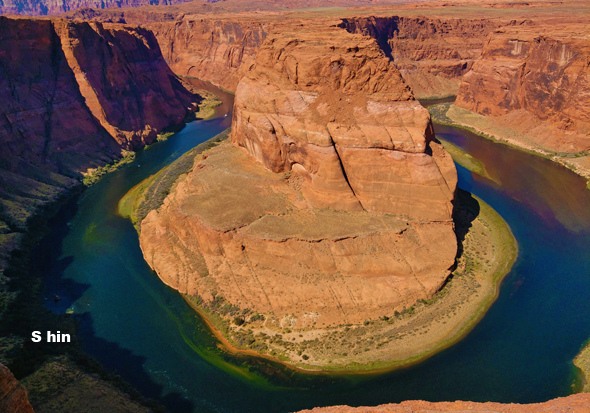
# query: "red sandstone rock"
577,403
432,54
330,107
71,96
13,396
342,212
537,76
124,80
213,49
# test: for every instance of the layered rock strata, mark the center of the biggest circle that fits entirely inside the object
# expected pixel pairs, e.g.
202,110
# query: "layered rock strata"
13,396
577,403
72,96
334,203
49,7
213,49
536,81
340,117
431,54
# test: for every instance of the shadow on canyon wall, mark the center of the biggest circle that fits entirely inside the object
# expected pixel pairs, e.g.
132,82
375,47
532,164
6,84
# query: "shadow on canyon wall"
40,308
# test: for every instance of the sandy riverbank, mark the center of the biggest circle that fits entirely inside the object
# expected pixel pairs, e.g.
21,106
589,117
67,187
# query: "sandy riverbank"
489,250
491,128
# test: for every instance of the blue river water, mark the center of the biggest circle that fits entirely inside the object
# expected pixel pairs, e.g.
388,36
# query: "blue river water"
521,351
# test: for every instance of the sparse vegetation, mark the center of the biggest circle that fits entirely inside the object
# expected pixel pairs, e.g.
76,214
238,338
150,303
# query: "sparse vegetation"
151,192
582,361
464,159
92,176
486,254
451,115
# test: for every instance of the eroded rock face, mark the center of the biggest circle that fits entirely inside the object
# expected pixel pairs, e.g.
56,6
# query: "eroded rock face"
333,204
535,76
44,7
431,54
124,79
235,231
211,49
71,96
577,403
13,396
329,107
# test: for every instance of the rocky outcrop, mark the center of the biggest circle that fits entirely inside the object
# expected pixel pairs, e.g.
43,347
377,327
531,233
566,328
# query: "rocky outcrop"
72,95
535,80
330,108
338,206
213,49
577,403
124,80
13,396
49,7
431,54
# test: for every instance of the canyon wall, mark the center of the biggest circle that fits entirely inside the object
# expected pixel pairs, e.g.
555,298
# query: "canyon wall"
576,403
45,7
535,80
13,396
72,96
340,116
334,202
212,49
431,54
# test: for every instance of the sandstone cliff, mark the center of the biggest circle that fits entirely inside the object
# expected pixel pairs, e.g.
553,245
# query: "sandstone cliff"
330,108
341,212
213,49
536,81
72,95
577,403
431,54
44,7
13,396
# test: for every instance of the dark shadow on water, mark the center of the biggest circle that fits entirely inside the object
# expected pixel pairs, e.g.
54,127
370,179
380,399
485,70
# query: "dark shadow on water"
45,295
128,366
465,211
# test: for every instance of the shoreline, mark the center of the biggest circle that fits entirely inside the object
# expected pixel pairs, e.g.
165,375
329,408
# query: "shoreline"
439,114
422,316
25,298
582,362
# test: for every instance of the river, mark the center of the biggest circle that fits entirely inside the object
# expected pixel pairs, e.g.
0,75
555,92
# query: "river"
144,331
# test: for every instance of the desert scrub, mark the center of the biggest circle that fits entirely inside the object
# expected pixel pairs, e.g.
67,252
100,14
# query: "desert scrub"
207,106
164,136
582,361
92,175
150,193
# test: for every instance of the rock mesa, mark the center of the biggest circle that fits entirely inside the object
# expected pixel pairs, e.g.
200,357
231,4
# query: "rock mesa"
332,205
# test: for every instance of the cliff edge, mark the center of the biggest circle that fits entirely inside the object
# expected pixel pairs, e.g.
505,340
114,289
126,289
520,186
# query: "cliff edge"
13,396
331,205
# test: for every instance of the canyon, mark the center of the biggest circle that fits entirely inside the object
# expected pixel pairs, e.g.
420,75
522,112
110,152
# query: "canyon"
531,90
297,208
114,86
577,403
74,96
13,395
